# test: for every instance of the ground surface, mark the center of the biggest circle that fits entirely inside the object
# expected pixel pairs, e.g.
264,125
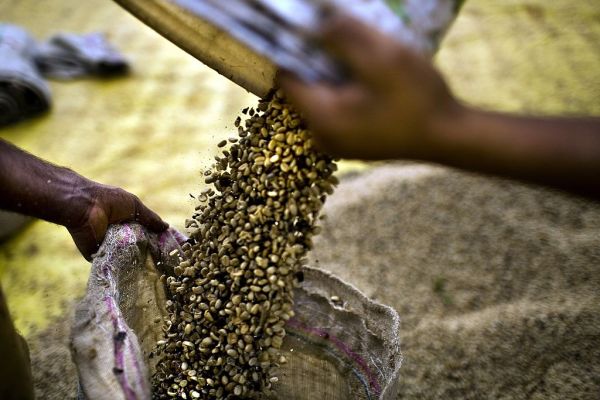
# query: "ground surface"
154,131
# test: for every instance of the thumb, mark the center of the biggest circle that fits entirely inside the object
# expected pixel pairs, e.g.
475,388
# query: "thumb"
88,236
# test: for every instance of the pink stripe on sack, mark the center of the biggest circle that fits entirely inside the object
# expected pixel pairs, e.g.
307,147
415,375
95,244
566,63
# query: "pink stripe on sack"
120,345
343,347
119,352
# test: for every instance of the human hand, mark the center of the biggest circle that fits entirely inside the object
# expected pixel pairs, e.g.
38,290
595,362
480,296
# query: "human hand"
391,107
97,206
32,186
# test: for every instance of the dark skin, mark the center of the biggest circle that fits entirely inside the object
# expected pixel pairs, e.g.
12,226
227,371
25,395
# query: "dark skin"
34,187
397,105
37,188
15,372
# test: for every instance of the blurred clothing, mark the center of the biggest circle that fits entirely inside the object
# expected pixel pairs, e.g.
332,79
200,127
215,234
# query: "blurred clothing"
23,92
24,63
68,56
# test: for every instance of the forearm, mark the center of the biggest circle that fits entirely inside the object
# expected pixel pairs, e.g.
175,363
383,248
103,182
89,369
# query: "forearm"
560,152
34,187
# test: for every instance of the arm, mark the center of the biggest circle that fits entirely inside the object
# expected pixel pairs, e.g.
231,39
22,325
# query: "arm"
34,187
398,106
560,152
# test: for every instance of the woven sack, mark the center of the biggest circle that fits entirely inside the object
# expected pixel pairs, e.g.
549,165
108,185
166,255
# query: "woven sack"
345,348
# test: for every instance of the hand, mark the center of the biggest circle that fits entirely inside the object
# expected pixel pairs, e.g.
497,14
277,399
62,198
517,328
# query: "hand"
396,105
34,187
390,108
104,205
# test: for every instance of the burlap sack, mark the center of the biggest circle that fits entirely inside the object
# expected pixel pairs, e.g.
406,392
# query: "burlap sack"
340,345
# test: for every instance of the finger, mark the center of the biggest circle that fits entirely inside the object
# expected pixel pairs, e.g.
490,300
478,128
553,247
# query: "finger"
120,205
317,102
148,218
331,112
365,51
125,207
